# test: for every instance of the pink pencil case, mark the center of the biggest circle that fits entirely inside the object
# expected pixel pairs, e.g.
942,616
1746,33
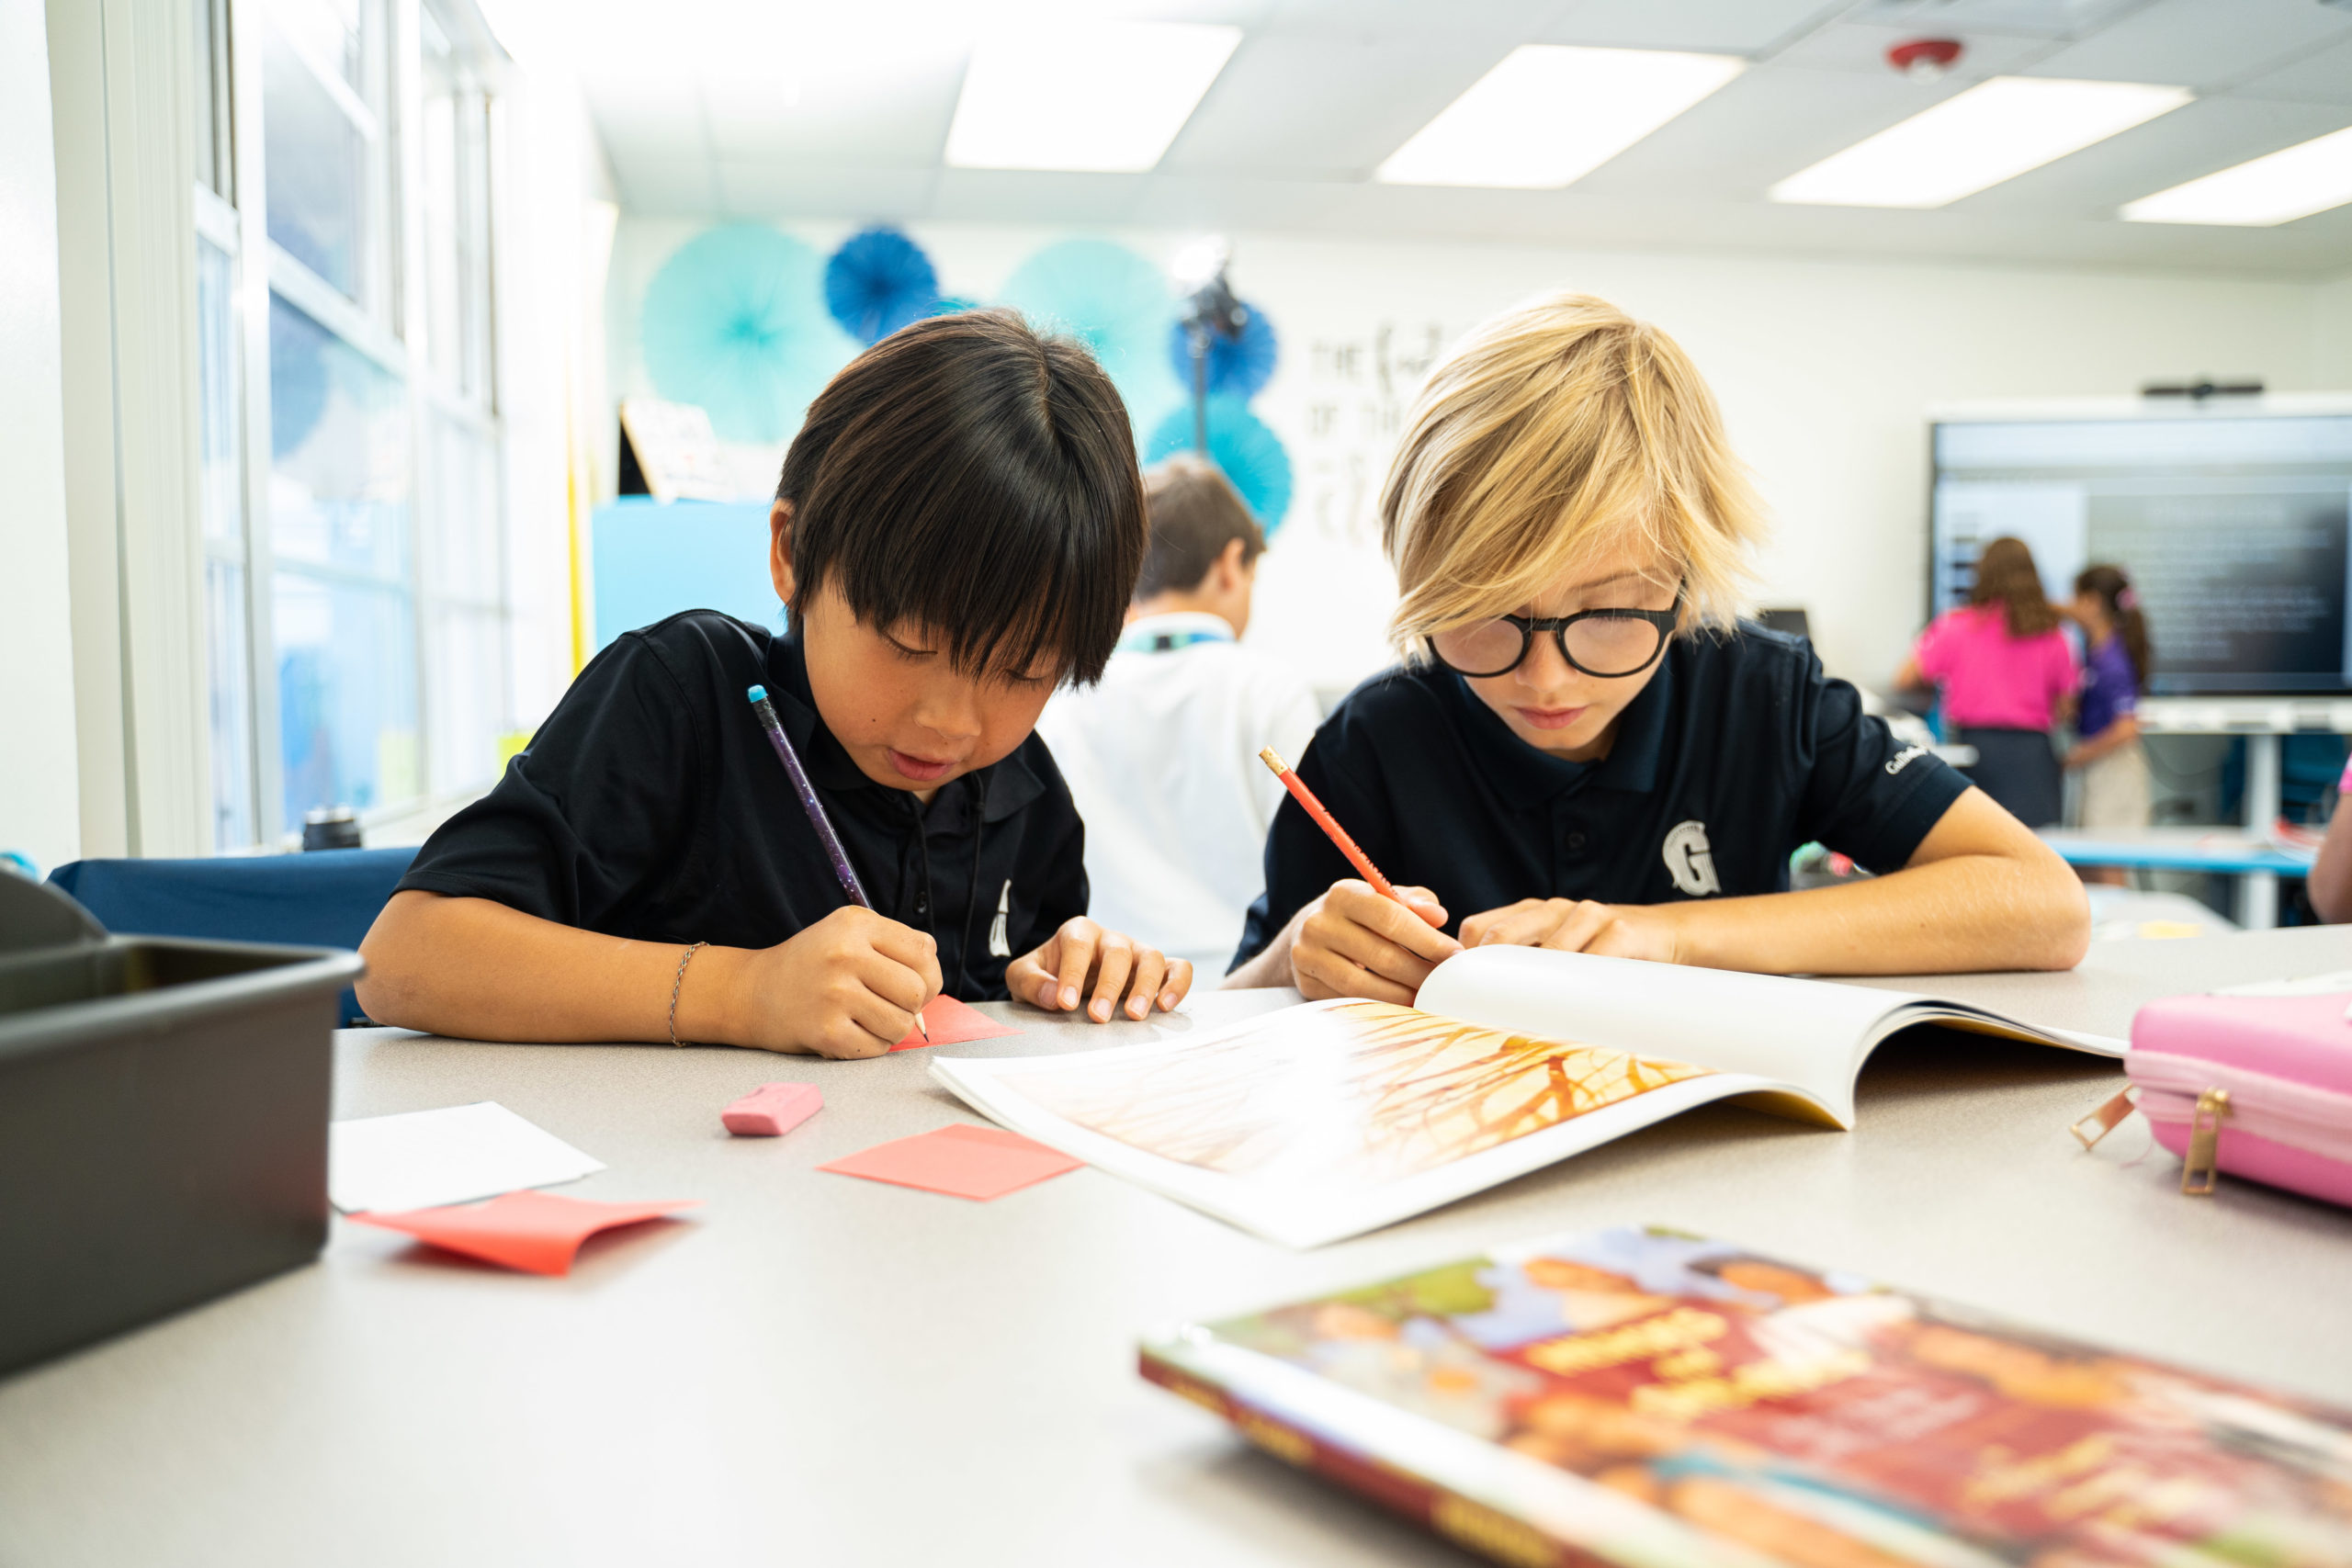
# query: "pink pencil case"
2257,1085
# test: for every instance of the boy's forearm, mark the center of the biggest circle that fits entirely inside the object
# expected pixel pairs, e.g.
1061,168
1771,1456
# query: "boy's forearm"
478,970
1965,913
1270,967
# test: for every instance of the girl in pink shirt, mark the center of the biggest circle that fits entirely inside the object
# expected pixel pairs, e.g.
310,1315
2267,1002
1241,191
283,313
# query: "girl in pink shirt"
2004,673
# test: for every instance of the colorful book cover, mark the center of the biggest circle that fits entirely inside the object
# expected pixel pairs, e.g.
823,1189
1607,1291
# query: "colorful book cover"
1652,1399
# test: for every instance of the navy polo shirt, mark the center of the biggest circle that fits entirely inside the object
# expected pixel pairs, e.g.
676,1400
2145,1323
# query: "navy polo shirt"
1737,752
650,804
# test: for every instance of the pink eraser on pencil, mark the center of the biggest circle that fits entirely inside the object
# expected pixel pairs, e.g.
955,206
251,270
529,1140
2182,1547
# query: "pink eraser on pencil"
772,1109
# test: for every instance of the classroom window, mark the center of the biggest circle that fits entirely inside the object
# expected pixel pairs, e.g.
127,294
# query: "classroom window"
354,586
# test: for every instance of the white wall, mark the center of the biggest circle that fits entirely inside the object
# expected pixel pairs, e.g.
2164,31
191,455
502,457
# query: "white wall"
40,804
1824,371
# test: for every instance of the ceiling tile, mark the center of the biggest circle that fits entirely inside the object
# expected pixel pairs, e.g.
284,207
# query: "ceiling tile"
1515,20
1765,125
2194,140
1324,108
1020,196
2199,43
2033,18
793,187
2323,76
1857,46
666,188
1729,26
886,107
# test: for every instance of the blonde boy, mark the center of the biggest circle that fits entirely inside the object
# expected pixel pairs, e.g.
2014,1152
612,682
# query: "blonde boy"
1584,749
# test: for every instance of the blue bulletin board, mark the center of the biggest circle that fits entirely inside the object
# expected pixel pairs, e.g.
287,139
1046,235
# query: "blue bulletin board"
652,560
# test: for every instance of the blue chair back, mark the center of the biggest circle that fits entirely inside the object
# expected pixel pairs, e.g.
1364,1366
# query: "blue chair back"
327,898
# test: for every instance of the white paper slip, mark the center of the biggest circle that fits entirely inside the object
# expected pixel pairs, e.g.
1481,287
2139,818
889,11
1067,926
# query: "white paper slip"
420,1159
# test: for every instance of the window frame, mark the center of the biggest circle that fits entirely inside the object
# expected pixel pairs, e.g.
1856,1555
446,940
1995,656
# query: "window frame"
385,327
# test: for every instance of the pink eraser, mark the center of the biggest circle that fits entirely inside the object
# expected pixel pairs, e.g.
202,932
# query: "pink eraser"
772,1109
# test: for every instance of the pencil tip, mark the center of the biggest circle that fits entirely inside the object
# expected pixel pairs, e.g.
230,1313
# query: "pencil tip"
1267,755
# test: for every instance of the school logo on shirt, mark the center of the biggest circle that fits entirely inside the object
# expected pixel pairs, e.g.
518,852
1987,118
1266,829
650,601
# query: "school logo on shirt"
1000,941
1904,759
1690,861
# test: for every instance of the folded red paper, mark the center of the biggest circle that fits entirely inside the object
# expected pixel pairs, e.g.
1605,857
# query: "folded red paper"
951,1024
536,1232
960,1160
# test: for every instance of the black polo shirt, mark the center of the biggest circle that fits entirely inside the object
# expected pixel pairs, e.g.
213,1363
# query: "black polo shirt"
650,805
1737,752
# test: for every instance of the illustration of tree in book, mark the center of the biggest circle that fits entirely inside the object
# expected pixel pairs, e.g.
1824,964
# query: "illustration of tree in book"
1405,1091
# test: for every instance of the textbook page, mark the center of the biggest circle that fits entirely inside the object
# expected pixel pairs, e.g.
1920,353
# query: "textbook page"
1812,1034
1337,1117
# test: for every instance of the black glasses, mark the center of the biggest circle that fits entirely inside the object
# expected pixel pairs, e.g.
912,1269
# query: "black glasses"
1607,644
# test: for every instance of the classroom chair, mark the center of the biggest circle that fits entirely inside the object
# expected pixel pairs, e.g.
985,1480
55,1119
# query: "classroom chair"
326,899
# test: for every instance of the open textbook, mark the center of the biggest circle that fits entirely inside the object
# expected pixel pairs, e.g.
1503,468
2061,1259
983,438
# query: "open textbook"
1333,1117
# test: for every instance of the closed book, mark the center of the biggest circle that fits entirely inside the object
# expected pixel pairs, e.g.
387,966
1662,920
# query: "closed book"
1645,1398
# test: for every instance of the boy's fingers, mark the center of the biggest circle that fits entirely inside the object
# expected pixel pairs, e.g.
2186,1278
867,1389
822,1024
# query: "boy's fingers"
1404,927
1110,976
1152,968
895,985
1587,921
1322,972
1179,982
1078,940
1523,924
1423,902
1368,950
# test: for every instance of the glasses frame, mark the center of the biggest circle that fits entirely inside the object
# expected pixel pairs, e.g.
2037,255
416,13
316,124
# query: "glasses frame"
1529,626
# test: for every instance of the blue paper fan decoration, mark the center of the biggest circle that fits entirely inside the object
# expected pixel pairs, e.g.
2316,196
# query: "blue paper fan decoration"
951,304
1242,446
877,282
1241,367
736,323
1114,302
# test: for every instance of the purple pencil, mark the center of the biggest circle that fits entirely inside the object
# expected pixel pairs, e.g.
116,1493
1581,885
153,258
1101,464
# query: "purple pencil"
843,870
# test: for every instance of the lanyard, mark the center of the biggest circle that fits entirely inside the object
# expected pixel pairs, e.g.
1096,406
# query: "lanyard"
1168,642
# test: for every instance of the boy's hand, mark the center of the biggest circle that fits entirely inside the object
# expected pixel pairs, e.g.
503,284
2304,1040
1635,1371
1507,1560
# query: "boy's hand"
1576,925
1353,942
849,986
1083,959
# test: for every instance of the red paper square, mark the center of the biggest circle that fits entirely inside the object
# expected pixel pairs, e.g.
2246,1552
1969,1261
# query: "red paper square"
536,1232
952,1023
961,1160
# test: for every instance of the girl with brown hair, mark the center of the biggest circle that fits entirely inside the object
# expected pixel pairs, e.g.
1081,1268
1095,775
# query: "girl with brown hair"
2115,671
2003,670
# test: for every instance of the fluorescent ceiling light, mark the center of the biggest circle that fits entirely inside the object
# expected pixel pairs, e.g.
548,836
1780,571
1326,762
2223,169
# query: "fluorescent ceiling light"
1107,96
2279,188
1994,131
1549,114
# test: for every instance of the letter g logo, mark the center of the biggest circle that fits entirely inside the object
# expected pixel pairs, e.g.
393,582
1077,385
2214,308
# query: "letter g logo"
1690,860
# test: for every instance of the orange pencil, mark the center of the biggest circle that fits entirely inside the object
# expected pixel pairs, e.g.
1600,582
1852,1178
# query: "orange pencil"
1338,835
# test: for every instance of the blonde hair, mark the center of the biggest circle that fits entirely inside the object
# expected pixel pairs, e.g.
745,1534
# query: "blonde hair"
1553,431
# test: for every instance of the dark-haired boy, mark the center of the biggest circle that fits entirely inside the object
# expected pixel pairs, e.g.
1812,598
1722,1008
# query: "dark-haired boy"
957,532
1162,755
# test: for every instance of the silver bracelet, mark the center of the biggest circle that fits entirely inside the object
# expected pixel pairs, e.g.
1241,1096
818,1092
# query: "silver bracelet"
677,984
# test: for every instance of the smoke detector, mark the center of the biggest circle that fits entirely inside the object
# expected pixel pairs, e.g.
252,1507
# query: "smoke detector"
1925,59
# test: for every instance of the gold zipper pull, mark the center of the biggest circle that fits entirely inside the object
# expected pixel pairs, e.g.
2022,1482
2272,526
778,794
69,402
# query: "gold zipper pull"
2100,1122
2201,1171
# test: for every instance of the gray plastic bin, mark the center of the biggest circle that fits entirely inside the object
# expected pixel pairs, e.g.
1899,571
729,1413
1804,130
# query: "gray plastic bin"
163,1119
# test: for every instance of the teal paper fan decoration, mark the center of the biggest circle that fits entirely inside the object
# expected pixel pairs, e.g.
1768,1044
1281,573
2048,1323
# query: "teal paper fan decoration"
1114,302
736,323
1242,446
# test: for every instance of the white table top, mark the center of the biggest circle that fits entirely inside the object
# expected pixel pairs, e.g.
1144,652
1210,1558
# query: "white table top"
819,1370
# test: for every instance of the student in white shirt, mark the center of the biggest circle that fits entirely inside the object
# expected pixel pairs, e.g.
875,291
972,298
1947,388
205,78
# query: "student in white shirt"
1162,755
